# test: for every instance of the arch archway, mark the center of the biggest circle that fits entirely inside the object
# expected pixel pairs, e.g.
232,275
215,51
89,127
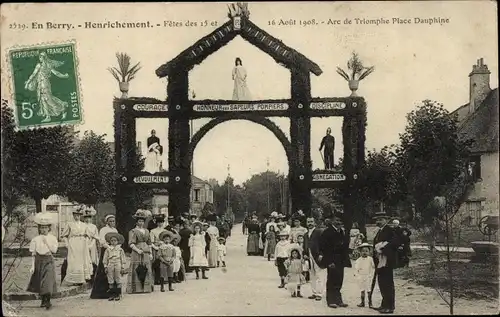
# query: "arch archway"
263,121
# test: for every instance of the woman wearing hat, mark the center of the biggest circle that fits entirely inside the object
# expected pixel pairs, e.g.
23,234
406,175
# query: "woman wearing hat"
100,285
214,235
79,263
93,233
197,246
253,236
42,248
139,241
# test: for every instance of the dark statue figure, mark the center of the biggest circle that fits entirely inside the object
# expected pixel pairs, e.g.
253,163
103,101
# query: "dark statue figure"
328,143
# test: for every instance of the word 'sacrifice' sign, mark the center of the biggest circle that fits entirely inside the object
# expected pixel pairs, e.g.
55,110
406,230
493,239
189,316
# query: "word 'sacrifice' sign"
327,105
329,177
157,107
151,179
242,107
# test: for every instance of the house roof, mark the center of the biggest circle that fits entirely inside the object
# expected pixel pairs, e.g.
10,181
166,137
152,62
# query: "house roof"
204,47
482,125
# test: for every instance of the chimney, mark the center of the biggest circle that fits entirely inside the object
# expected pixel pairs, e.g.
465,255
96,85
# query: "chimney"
479,80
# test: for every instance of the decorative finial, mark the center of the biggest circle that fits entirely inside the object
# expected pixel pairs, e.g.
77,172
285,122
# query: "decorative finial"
238,9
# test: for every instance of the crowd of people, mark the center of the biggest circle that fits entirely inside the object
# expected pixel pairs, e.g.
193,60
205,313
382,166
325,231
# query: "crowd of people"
162,253
304,250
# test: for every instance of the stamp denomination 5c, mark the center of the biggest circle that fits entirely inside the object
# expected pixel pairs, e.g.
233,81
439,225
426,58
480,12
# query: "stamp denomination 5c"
45,85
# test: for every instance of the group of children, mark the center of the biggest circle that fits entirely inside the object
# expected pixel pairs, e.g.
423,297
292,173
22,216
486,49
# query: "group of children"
294,266
165,251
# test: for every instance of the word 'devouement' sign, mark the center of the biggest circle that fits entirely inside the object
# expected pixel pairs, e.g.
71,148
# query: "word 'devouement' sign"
151,179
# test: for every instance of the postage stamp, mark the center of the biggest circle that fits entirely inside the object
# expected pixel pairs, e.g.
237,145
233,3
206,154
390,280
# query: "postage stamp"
45,85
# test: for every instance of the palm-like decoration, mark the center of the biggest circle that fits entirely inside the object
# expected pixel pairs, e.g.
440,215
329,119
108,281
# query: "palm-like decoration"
357,72
124,73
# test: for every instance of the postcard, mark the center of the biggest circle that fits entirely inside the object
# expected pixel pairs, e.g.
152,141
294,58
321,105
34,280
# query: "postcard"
240,158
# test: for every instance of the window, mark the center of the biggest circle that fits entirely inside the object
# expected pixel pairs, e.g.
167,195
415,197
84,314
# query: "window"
197,194
474,168
473,209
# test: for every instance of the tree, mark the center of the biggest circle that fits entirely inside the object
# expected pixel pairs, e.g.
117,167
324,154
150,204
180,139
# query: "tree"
264,188
431,157
42,157
92,175
11,192
236,198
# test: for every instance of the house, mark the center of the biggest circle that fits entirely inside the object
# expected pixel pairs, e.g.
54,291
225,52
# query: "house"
201,193
478,121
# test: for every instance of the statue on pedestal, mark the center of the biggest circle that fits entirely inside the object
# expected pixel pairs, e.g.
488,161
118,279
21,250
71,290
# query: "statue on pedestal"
328,143
152,164
240,91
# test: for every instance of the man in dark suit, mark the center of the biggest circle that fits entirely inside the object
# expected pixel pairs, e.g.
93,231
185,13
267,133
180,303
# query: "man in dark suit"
185,233
312,253
333,247
385,245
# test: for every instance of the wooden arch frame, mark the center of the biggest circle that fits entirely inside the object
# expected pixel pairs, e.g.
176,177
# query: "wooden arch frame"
263,121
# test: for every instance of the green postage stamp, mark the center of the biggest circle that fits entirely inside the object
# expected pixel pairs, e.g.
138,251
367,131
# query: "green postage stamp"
45,85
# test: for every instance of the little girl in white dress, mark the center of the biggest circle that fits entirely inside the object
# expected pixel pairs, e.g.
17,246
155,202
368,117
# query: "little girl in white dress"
364,269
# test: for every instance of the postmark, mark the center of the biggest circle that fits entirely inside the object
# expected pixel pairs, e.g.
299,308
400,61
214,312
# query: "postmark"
45,84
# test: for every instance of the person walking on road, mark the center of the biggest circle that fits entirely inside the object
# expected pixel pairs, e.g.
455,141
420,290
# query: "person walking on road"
312,253
385,246
334,248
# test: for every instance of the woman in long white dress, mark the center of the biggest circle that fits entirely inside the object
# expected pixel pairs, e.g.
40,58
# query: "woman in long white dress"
240,91
39,81
79,264
197,246
93,233
153,159
213,232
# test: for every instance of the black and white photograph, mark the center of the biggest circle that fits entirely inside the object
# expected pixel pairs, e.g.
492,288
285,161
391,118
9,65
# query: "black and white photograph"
250,158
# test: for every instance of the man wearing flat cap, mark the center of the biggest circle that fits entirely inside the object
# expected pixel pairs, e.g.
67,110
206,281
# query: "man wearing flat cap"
385,245
334,249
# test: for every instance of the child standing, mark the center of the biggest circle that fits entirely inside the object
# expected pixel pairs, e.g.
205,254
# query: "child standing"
42,248
166,254
221,252
281,255
114,264
364,268
178,258
306,265
294,269
197,244
270,242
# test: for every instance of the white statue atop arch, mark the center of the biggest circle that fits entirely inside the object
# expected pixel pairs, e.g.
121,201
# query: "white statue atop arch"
240,91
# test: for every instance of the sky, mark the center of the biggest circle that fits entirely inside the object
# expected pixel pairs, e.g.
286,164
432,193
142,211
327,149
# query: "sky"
413,62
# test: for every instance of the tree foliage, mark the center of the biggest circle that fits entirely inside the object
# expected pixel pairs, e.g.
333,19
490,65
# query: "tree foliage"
42,158
259,186
431,156
92,175
11,192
